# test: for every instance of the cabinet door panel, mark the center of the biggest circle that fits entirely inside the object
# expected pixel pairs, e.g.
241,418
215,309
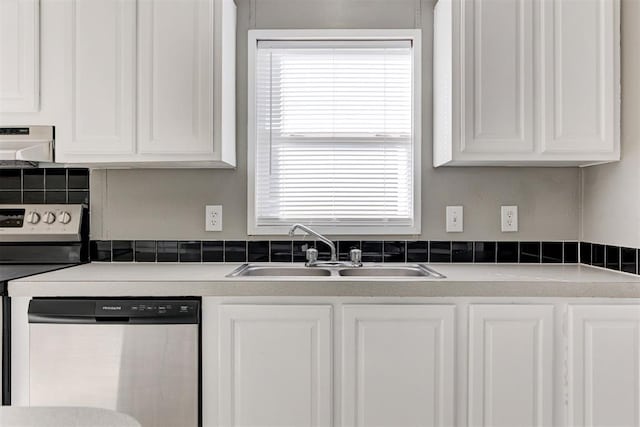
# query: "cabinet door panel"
579,86
498,73
510,365
100,79
19,53
175,75
604,365
398,365
275,365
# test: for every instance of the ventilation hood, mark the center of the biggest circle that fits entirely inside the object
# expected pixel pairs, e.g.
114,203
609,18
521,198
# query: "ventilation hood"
30,145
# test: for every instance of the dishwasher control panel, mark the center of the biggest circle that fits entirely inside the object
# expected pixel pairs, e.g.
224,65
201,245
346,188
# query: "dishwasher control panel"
145,308
107,310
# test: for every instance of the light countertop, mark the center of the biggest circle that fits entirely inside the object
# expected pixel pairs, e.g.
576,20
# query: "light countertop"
478,280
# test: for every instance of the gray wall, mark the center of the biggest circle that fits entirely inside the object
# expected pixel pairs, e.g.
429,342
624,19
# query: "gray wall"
169,204
611,193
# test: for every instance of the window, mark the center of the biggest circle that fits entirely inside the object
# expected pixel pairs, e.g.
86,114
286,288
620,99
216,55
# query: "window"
334,131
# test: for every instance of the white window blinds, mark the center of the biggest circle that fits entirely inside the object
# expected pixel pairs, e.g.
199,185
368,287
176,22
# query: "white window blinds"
334,136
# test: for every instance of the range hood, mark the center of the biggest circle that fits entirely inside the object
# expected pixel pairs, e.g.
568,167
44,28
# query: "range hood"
20,145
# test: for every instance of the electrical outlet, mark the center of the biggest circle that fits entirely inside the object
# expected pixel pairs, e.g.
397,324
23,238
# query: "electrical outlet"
455,219
509,219
213,218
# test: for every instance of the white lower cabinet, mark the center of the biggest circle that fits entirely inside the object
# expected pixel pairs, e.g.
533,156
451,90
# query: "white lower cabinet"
604,365
510,365
379,362
398,365
275,365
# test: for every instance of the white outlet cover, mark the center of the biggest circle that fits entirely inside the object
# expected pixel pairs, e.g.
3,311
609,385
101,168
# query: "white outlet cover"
213,218
455,219
509,219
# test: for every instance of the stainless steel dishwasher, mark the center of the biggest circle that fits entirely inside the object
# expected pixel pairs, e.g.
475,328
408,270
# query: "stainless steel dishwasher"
140,357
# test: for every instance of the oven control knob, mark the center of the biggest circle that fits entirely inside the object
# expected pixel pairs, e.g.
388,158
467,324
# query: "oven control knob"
33,218
64,217
49,217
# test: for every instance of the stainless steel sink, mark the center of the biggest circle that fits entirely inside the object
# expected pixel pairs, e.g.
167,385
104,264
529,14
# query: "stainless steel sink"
399,271
411,270
248,270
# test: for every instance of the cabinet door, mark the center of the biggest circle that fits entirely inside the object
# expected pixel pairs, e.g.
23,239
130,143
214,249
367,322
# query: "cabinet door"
175,76
510,365
19,56
604,365
275,365
497,94
100,75
398,365
580,84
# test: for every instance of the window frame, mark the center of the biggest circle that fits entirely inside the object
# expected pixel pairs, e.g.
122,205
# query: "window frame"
414,35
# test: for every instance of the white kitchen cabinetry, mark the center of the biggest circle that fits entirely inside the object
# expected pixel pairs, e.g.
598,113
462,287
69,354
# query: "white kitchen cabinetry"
398,365
604,365
374,362
510,365
19,56
275,365
526,83
149,83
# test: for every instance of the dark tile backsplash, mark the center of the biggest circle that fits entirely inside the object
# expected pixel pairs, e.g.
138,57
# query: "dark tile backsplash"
610,257
394,251
418,251
258,251
530,252
484,252
507,252
440,251
122,251
461,251
552,252
281,251
597,255
235,251
167,251
372,251
629,260
145,250
190,251
213,251
48,185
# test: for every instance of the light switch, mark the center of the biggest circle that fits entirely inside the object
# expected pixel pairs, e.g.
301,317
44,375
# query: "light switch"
455,219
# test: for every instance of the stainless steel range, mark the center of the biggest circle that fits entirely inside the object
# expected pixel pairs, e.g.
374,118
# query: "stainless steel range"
36,239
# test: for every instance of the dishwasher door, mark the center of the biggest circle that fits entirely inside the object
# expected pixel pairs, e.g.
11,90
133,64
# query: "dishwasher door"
115,360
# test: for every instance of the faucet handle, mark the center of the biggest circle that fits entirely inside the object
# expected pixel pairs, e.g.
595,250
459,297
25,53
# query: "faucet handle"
312,256
355,255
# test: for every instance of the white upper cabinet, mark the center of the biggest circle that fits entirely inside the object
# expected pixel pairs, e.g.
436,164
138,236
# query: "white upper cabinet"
518,82
149,83
20,56
99,80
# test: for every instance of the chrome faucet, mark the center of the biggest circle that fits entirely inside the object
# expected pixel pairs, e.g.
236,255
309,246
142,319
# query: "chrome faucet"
355,255
332,247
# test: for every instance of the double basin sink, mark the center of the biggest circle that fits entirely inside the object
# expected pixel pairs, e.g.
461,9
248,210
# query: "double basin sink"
408,270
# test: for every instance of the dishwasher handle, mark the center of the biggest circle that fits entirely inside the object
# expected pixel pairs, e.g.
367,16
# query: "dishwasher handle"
114,311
